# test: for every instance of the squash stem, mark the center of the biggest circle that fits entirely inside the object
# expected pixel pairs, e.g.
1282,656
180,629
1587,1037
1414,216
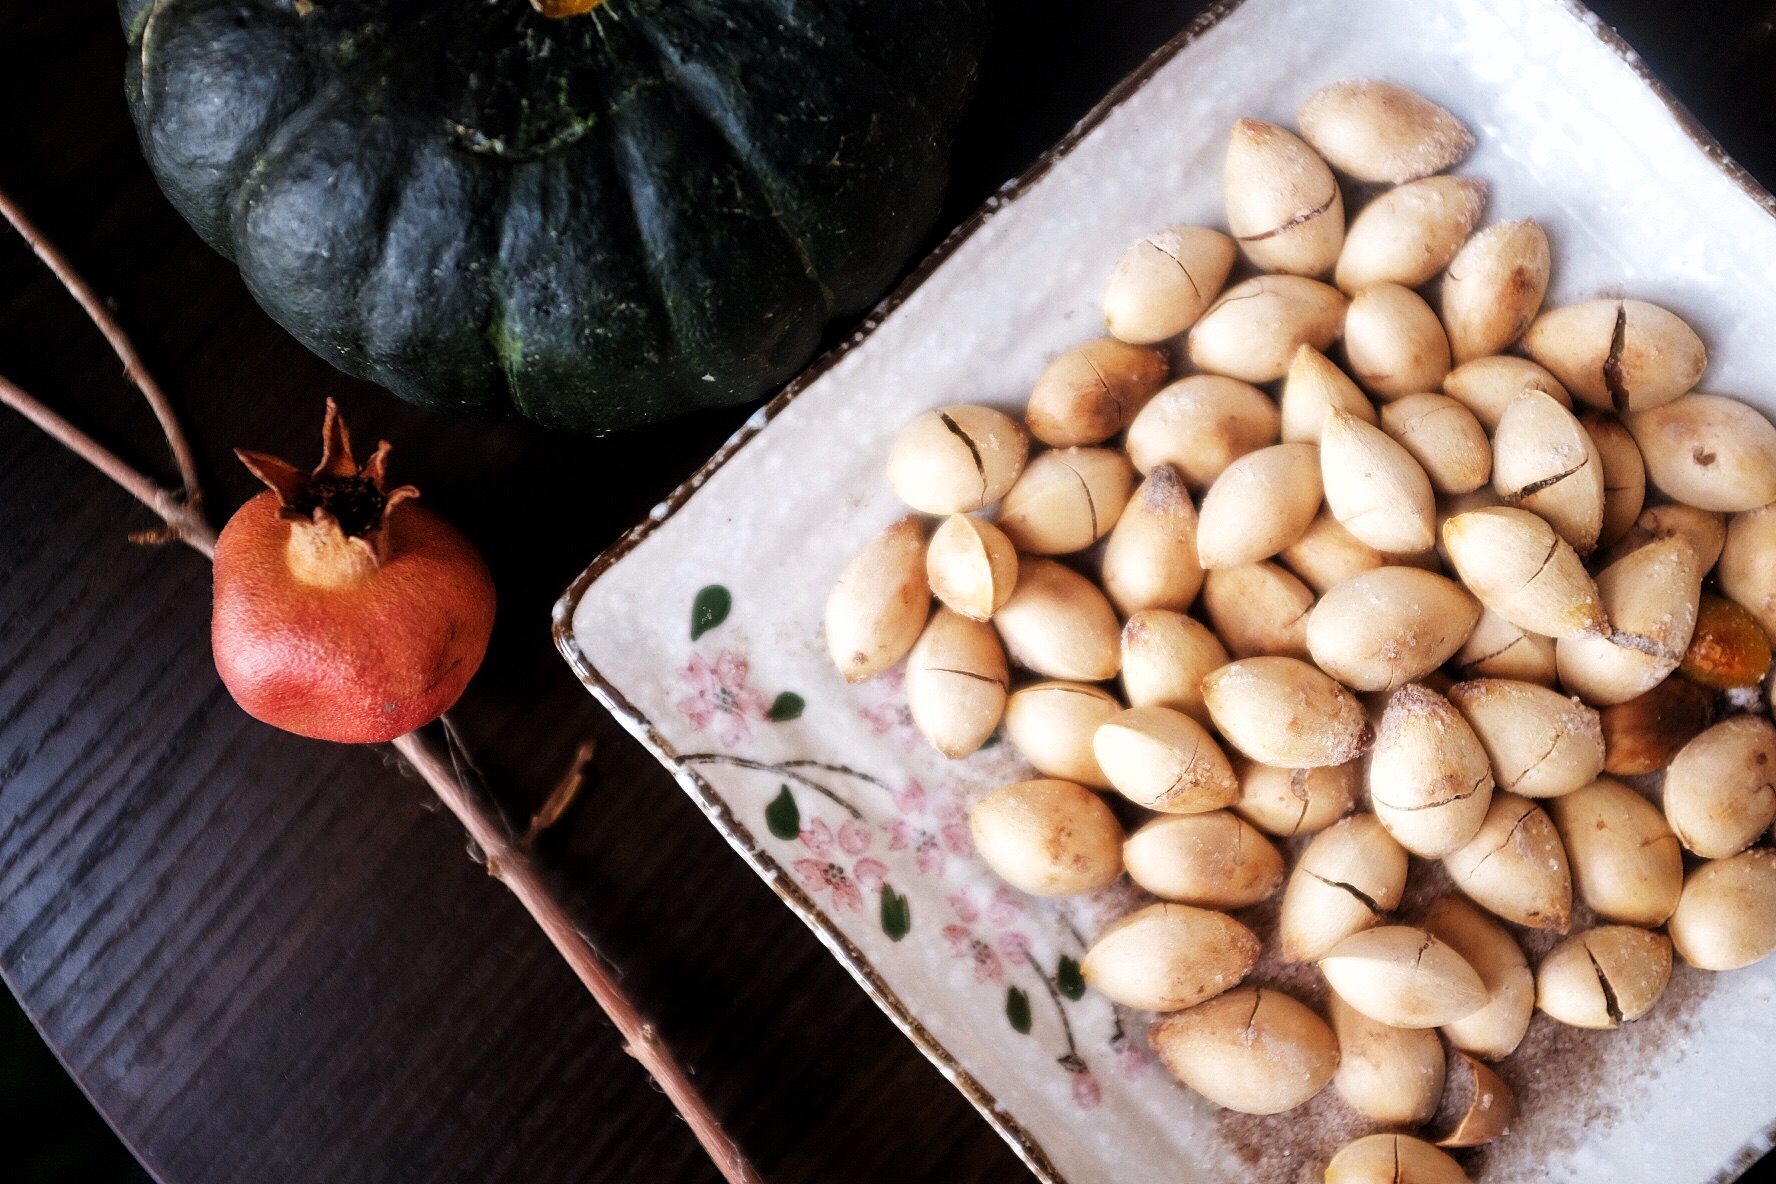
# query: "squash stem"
557,9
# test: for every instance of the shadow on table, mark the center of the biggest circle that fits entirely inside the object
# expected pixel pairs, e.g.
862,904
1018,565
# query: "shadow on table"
54,1134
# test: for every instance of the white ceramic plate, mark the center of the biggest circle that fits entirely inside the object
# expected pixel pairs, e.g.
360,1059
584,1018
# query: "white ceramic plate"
701,629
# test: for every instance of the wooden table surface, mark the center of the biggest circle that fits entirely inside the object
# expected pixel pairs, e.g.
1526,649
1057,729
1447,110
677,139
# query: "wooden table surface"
271,960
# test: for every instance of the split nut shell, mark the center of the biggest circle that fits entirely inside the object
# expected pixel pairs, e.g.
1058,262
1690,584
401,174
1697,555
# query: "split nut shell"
1604,977
1162,284
956,459
1618,355
1393,1159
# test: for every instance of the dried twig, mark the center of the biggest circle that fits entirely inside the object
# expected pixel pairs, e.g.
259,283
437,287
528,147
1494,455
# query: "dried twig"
133,367
566,791
507,856
184,517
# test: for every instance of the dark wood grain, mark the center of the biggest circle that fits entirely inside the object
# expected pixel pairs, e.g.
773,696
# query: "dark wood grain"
272,960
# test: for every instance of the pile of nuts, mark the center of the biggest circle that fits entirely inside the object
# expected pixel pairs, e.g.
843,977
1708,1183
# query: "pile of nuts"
1331,660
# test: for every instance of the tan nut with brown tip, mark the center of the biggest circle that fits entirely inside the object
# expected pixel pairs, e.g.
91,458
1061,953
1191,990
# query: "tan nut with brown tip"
1494,288
1169,956
1521,569
878,606
1541,743
1380,131
1092,391
1283,712
1150,559
1429,780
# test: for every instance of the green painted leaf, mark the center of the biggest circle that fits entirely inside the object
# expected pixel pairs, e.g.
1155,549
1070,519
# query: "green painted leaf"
1017,1010
897,913
710,609
1069,980
782,816
786,707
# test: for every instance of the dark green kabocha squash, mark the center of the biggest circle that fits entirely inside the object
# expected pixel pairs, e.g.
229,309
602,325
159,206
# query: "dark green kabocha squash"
592,221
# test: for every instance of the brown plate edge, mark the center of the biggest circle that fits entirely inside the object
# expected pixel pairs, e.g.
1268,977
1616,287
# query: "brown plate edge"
717,809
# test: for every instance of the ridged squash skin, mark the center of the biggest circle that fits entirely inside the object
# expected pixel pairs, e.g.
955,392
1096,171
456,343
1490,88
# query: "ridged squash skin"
593,221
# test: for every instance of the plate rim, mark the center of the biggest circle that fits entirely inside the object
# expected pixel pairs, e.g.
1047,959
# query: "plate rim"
738,836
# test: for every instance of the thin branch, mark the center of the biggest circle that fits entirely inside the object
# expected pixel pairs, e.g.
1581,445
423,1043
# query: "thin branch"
786,770
133,367
184,518
509,861
507,857
565,793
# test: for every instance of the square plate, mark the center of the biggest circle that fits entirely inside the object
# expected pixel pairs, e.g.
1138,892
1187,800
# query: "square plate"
701,629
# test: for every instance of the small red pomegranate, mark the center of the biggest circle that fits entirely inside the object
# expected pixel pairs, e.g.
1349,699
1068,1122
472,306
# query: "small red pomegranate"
343,610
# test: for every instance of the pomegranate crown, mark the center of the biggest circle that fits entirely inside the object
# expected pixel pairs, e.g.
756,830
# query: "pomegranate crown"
346,503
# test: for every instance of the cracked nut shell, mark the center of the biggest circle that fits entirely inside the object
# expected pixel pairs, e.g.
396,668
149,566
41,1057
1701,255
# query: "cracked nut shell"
1604,977
1253,1050
1167,957
956,459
